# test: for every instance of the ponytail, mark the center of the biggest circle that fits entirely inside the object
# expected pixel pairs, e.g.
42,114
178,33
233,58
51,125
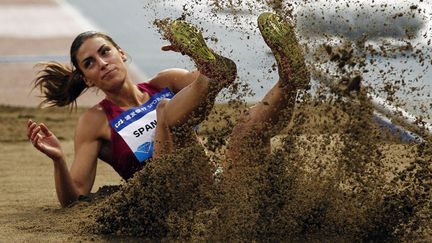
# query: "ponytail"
59,84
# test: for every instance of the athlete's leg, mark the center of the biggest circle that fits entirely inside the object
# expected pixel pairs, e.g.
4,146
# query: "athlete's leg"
255,128
164,143
193,102
177,117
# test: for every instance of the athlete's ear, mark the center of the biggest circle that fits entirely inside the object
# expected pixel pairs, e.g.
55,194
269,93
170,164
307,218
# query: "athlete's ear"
88,82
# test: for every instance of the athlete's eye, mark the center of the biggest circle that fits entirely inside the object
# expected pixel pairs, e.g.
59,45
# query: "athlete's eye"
88,63
105,51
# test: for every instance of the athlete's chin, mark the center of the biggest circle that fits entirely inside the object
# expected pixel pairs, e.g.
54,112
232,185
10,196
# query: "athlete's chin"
116,83
117,78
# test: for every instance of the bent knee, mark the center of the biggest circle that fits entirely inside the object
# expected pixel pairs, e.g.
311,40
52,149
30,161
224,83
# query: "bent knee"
250,126
250,120
160,108
161,112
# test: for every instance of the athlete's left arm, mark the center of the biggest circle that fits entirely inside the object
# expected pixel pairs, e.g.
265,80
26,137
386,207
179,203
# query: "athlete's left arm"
175,79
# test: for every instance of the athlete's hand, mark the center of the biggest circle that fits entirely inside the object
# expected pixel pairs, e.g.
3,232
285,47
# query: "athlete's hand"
171,48
44,140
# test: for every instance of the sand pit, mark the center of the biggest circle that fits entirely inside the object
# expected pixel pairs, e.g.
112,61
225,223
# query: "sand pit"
297,193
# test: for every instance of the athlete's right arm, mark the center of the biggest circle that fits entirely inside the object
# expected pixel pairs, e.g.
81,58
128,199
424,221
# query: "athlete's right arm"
70,184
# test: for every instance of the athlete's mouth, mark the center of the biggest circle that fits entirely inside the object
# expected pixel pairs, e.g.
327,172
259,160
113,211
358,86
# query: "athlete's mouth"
107,73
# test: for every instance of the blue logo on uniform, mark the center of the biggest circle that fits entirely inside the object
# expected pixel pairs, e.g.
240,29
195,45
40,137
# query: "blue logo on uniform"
144,151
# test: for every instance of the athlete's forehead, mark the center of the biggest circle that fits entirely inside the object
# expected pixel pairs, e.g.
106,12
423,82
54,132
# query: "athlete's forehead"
91,46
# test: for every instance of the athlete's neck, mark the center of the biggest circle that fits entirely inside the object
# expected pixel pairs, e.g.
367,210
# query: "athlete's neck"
128,96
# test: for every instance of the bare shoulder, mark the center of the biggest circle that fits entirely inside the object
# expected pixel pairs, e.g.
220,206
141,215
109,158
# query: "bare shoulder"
170,73
94,114
173,78
92,123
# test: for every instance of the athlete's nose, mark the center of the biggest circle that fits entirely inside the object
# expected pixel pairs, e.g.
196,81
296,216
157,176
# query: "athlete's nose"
102,62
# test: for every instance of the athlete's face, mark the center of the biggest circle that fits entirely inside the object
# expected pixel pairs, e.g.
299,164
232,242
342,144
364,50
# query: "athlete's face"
101,63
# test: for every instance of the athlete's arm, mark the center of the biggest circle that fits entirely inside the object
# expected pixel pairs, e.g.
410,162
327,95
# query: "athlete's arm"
46,142
79,180
175,79
87,146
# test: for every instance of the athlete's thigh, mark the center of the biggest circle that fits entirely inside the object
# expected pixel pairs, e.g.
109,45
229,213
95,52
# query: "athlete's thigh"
249,140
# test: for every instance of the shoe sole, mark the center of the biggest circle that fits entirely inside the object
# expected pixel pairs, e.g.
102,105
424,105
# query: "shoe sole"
280,37
190,41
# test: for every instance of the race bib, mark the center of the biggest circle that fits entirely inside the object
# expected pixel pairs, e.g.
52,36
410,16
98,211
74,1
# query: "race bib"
137,126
